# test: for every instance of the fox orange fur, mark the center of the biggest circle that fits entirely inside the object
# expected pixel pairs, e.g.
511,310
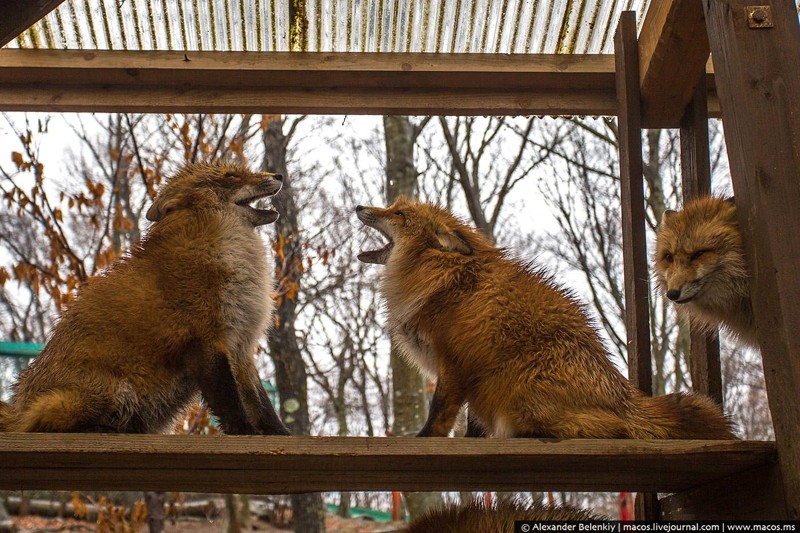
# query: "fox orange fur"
476,518
180,314
700,265
505,339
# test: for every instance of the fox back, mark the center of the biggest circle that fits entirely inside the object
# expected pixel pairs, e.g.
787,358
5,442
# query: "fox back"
699,264
474,517
503,337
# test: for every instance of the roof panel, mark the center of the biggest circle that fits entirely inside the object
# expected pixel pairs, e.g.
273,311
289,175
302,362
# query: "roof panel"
485,26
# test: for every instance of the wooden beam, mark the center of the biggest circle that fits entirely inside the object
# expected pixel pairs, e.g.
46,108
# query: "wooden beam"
673,51
752,495
758,79
290,82
301,464
704,359
634,245
19,15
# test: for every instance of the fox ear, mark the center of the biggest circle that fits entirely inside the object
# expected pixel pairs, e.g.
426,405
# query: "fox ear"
452,241
161,206
667,214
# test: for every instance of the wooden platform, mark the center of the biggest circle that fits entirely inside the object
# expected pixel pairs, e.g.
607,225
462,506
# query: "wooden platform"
305,464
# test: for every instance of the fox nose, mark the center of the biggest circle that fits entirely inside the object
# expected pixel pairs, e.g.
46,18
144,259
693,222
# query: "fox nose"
278,177
673,294
360,208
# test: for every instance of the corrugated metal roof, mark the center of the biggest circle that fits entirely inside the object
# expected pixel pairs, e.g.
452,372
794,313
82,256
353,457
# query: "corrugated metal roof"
487,26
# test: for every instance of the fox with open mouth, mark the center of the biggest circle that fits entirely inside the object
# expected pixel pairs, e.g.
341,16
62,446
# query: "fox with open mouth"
504,338
180,314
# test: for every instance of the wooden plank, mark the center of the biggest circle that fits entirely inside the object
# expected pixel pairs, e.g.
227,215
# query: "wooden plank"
696,181
758,80
19,15
309,69
673,51
388,101
752,495
301,464
290,82
634,245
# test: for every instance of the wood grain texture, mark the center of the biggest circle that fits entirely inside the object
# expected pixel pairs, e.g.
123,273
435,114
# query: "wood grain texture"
673,51
301,464
752,495
758,80
19,15
291,82
704,359
634,246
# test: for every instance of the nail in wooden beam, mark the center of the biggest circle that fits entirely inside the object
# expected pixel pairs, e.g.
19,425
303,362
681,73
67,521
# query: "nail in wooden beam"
634,246
696,181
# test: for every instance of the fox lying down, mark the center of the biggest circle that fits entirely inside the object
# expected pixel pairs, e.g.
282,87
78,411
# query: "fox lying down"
506,339
181,314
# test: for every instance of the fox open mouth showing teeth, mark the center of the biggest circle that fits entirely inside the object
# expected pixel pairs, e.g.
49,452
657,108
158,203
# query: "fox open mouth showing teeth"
380,255
255,204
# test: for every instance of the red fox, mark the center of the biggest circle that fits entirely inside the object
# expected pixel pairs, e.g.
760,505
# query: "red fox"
180,314
504,338
700,265
476,518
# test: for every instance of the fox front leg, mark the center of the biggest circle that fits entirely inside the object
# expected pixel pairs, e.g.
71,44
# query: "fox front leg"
219,390
256,402
445,405
474,428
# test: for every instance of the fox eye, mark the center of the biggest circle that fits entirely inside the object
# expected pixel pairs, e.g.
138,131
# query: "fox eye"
697,255
400,214
668,257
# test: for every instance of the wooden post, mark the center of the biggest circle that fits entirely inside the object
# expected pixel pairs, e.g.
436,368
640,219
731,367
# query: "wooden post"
696,180
634,246
756,51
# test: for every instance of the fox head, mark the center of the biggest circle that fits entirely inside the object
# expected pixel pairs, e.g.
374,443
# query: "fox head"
218,187
699,256
412,227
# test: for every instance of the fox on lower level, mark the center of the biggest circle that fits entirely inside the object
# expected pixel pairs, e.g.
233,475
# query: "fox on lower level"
700,265
180,314
503,337
474,517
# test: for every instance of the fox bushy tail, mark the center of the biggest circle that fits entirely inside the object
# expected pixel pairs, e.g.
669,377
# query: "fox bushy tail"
682,415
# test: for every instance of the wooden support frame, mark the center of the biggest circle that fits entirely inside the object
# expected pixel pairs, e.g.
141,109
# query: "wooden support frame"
758,79
704,359
634,245
310,464
294,82
755,494
673,51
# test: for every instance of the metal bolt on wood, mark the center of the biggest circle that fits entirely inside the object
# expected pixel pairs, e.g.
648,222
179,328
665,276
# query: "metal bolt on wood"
759,17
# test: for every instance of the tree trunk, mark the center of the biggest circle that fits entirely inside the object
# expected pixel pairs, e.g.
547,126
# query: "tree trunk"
155,511
290,370
409,402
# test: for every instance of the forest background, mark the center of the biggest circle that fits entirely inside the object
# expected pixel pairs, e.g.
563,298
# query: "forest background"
75,188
